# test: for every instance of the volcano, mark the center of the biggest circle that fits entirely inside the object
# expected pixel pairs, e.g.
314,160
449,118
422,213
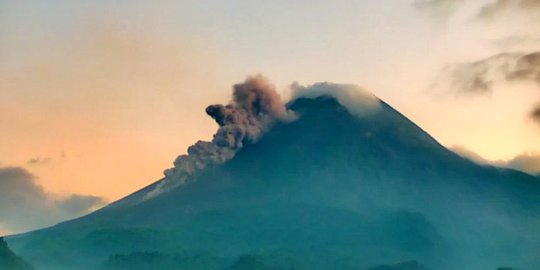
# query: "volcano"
337,187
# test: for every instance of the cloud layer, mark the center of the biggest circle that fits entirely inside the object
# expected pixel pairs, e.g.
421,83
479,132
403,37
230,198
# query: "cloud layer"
24,205
526,162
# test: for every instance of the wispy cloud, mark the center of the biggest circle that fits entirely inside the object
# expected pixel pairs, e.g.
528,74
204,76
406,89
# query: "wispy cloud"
481,76
525,162
535,114
499,7
437,8
469,154
518,59
39,161
490,10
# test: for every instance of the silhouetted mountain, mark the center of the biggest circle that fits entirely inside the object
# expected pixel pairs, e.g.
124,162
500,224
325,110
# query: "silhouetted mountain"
330,190
10,261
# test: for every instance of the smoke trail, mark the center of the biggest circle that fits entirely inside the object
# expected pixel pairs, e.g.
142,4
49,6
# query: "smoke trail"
254,108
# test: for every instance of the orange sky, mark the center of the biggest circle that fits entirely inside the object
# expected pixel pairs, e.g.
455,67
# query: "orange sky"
109,94
111,107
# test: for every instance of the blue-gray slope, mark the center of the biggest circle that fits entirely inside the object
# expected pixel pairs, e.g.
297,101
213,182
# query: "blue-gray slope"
327,188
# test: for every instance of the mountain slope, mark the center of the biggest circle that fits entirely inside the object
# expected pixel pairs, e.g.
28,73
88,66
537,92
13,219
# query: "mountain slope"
330,190
10,261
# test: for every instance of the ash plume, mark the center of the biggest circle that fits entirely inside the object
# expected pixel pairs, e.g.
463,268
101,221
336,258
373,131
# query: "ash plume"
254,108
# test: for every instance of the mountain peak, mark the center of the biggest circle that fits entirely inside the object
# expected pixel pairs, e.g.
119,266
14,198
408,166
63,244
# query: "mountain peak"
356,99
348,183
254,109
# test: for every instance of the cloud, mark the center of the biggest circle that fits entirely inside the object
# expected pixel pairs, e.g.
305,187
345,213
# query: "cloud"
499,7
511,41
435,3
39,161
480,77
46,160
526,162
518,60
469,154
358,101
486,11
437,7
77,204
24,205
535,114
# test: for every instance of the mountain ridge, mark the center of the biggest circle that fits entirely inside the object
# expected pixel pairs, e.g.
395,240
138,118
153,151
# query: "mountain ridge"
378,175
9,260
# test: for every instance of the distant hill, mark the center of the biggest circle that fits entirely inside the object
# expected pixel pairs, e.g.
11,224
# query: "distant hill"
330,190
10,261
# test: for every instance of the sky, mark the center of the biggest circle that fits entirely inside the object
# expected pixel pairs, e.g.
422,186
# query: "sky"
97,98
